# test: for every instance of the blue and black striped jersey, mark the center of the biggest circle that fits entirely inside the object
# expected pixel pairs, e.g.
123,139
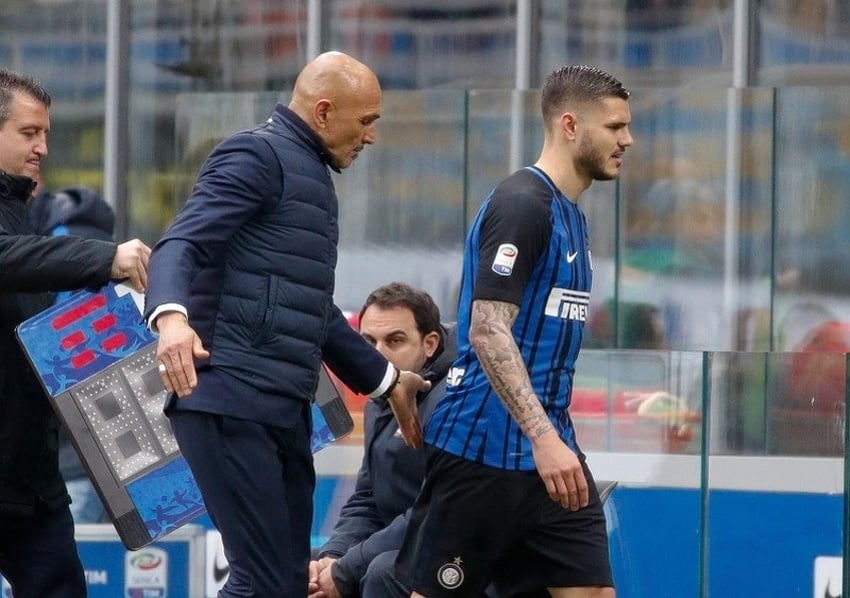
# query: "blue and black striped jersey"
528,246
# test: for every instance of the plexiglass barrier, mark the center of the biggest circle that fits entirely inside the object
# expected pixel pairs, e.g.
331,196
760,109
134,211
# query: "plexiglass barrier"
730,469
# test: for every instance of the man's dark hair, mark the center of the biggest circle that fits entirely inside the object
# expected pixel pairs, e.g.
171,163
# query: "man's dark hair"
12,82
426,314
578,84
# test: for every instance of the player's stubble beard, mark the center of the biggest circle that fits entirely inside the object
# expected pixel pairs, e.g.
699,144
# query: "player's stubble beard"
592,161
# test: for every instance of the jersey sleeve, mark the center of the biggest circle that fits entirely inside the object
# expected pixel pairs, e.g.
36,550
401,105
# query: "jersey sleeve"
514,233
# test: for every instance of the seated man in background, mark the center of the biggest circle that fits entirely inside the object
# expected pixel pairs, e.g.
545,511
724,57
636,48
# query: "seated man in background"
403,323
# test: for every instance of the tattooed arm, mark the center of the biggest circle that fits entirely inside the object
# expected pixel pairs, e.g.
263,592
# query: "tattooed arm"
558,466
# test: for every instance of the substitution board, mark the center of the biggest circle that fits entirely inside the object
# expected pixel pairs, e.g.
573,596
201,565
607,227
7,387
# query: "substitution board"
97,363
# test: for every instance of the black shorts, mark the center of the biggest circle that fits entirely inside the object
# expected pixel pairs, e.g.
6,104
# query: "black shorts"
473,524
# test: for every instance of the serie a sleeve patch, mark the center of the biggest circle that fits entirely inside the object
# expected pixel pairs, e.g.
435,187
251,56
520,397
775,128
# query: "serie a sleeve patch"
503,263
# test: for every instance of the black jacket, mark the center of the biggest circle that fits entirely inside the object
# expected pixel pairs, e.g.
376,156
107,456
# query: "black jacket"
373,521
82,212
31,266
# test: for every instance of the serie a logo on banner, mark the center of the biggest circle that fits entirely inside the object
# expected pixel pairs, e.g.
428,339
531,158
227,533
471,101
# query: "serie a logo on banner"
146,573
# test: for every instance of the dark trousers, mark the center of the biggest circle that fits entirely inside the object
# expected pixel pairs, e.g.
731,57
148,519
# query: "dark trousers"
257,482
380,580
38,555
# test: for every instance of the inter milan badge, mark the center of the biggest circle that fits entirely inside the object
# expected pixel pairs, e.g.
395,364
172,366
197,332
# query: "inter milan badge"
450,575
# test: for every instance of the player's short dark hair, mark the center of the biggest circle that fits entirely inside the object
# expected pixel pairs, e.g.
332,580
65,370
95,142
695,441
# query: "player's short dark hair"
426,314
578,84
12,82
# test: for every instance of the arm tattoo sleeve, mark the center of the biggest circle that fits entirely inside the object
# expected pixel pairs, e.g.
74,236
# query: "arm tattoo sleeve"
490,334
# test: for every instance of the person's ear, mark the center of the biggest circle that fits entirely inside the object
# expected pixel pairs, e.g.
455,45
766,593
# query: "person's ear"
568,123
321,109
431,342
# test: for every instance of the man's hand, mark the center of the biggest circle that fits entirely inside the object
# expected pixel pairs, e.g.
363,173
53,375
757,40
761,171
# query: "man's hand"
320,583
131,261
560,470
176,351
403,403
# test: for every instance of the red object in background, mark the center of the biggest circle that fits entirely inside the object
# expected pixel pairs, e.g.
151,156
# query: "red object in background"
816,373
595,401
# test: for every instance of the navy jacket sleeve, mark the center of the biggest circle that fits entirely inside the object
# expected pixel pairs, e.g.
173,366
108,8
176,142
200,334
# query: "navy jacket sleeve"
233,183
357,363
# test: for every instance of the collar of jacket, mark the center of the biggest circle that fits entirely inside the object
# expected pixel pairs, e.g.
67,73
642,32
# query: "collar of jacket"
13,186
436,368
283,114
